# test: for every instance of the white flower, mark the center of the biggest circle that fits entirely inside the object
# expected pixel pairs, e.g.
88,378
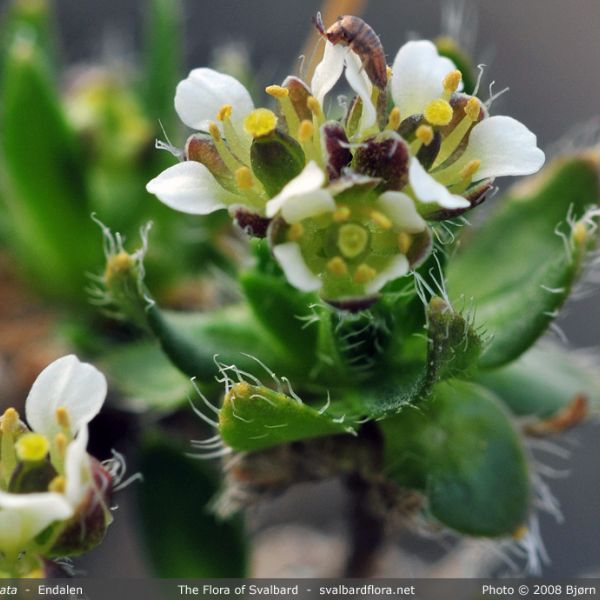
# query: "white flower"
428,190
78,473
78,388
296,271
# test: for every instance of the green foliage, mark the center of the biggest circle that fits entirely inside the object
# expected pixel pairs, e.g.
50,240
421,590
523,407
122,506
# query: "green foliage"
515,269
461,450
182,537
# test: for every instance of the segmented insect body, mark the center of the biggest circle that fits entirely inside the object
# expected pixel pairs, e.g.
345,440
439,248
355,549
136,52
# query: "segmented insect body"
362,40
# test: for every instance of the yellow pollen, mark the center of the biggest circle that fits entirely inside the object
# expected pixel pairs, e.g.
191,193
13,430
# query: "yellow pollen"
424,134
10,421
213,129
364,274
277,91
118,264
470,169
295,232
225,112
438,112
580,233
520,532
243,178
404,242
260,122
388,71
32,447
380,219
60,441
241,389
452,81
58,485
305,131
314,106
62,417
394,118
472,108
341,214
337,266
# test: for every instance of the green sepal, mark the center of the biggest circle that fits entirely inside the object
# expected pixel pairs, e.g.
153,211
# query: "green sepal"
515,269
276,159
462,452
31,476
543,381
255,417
183,539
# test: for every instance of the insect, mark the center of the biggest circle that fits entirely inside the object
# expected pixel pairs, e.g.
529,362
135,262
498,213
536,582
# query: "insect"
362,40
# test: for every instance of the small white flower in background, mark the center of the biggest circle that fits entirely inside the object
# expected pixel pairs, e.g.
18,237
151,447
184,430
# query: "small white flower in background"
64,398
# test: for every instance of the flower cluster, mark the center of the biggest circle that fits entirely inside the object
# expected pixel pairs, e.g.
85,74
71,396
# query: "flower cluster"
53,495
344,203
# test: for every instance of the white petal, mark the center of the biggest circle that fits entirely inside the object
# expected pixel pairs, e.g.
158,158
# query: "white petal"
297,273
77,468
199,98
309,180
417,75
328,71
428,190
401,209
505,147
189,187
312,204
361,84
67,382
398,267
23,516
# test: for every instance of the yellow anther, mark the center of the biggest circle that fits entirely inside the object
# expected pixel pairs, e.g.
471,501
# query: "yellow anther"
241,389
337,266
306,130
117,265
62,417
10,421
380,219
244,179
424,134
32,447
473,108
260,122
452,81
520,532
364,274
394,118
214,131
295,232
277,91
388,71
438,112
60,443
405,241
58,485
341,214
470,169
580,233
225,112
314,106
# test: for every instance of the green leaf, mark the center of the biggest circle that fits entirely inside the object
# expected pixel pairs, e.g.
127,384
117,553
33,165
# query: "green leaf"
543,382
43,179
463,453
146,378
283,312
182,538
515,268
255,417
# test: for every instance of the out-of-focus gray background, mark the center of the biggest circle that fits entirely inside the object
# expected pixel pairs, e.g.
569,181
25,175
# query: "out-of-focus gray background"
545,50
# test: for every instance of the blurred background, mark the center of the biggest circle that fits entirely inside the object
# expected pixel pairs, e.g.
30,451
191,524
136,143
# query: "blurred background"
546,51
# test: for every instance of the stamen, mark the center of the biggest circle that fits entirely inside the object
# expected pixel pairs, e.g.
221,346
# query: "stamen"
364,274
473,108
225,112
9,422
388,71
394,119
438,112
260,122
337,266
380,219
289,112
451,82
58,485
424,134
243,178
214,132
305,131
239,145
315,107
295,232
470,169
62,417
60,443
231,162
341,214
404,242
277,91
32,447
